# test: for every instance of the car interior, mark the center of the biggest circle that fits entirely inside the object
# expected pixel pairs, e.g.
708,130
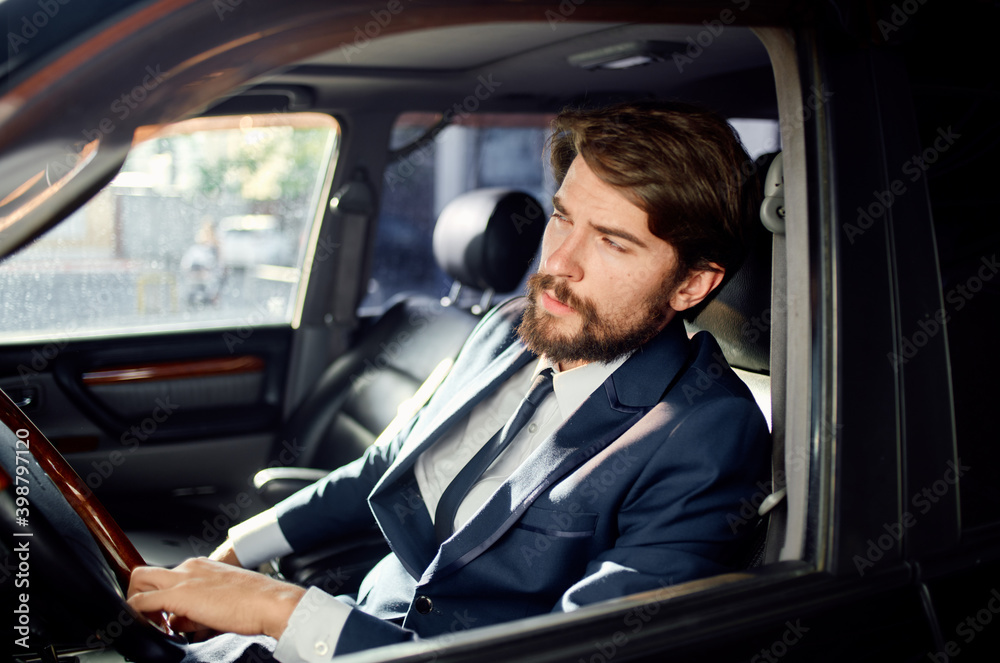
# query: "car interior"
366,87
427,212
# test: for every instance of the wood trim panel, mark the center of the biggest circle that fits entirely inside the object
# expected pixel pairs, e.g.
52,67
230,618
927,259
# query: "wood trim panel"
175,370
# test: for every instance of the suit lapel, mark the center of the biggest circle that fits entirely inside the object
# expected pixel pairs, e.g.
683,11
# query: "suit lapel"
605,416
392,500
456,405
594,425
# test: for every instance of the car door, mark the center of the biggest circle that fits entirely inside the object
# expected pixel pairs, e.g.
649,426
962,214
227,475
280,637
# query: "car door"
150,334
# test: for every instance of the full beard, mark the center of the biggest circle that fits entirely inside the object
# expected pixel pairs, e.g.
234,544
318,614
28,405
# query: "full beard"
602,338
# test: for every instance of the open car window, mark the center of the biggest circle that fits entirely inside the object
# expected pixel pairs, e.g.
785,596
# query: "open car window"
206,226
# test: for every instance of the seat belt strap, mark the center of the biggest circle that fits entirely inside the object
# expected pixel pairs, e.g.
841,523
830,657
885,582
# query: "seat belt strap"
409,408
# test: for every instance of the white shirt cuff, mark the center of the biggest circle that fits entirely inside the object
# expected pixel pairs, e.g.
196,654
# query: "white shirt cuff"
313,629
258,539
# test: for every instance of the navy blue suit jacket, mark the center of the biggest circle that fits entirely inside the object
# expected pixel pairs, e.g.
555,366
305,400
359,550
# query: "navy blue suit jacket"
631,493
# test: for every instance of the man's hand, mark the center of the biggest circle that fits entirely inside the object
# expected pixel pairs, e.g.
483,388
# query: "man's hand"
202,593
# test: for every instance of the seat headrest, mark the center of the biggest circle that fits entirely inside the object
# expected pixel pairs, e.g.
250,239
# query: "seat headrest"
487,238
739,316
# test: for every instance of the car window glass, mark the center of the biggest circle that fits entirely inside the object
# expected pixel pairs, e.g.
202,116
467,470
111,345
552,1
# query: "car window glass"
205,226
759,136
475,151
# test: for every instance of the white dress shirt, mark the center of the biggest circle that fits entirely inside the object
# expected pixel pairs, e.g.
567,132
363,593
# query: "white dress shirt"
314,627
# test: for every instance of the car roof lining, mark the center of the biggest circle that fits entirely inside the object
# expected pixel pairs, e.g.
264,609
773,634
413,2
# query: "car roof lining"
527,64
530,75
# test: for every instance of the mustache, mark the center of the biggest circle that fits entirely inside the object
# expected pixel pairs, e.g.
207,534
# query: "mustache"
537,283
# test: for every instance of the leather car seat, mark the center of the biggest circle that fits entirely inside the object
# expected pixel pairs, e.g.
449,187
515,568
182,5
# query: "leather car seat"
739,316
485,240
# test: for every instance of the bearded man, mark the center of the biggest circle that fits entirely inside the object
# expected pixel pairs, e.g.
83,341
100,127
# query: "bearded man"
606,477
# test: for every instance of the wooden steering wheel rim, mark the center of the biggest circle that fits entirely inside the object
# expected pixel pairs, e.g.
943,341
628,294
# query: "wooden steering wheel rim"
117,549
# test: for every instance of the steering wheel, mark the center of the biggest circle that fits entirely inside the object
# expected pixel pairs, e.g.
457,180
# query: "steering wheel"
69,556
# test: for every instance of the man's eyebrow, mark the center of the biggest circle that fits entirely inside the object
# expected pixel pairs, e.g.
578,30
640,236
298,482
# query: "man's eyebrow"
607,230
617,232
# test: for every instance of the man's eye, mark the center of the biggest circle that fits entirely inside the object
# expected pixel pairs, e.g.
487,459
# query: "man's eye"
556,216
613,245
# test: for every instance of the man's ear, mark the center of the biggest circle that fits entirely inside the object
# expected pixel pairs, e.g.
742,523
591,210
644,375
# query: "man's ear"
698,284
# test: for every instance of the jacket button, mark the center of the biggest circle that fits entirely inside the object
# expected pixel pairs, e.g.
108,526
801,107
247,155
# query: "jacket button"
423,605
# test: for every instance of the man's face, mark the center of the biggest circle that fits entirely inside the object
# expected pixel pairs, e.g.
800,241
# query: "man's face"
605,282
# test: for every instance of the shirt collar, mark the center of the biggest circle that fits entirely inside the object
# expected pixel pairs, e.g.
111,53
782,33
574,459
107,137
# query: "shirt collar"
574,386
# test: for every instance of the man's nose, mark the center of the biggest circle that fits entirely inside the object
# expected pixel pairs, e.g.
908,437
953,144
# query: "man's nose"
565,259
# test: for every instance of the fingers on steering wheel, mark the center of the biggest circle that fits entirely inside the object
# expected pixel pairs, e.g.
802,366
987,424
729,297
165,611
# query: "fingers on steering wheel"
146,578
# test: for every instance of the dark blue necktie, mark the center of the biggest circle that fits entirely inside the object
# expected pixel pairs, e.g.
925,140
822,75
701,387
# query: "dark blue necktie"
444,515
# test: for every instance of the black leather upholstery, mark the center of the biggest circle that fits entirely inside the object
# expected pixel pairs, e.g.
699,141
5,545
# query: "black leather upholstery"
739,316
485,239
357,396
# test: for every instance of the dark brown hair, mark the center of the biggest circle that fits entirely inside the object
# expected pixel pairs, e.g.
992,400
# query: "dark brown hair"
679,163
